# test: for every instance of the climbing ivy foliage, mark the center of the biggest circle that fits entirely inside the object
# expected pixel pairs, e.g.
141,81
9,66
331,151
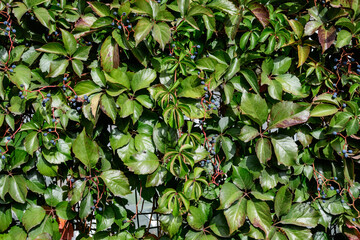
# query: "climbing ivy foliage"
237,119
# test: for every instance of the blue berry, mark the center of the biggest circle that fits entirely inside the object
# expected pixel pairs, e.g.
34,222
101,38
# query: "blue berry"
335,178
195,53
8,138
129,26
323,196
78,108
336,60
73,100
3,157
53,120
346,155
173,45
22,85
113,24
49,130
56,33
323,201
22,96
32,18
20,93
192,56
124,13
45,134
203,82
352,59
206,95
198,73
6,34
344,151
52,141
334,96
331,188
318,189
358,66
334,133
6,22
337,191
119,27
205,88
350,151
76,96
335,67
100,209
94,201
14,30
11,70
65,78
342,201
85,97
212,100
354,219
344,105
58,4
334,84
198,46
127,20
13,66
214,108
48,95
7,29
72,180
115,13
93,207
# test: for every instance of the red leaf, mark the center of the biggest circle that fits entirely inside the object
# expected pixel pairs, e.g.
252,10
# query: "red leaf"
326,37
260,13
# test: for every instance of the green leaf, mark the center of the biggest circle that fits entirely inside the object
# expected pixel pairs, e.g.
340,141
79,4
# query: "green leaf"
281,65
259,215
263,150
116,181
104,219
229,193
297,233
142,29
228,147
108,106
290,84
21,75
144,162
283,201
82,53
224,5
301,214
286,114
260,12
86,150
323,109
77,66
219,226
198,216
5,218
4,185
85,206
17,188
64,211
100,9
286,150
254,107
33,216
251,79
109,54
86,87
161,34
69,41
142,79
242,178
53,47
235,215
58,67
248,133
31,143
170,223
43,16
297,27
183,6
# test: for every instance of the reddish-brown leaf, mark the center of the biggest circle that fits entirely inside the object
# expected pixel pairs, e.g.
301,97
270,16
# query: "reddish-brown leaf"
326,37
260,13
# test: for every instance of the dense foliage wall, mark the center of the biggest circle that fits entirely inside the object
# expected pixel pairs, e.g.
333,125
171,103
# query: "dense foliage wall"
238,119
